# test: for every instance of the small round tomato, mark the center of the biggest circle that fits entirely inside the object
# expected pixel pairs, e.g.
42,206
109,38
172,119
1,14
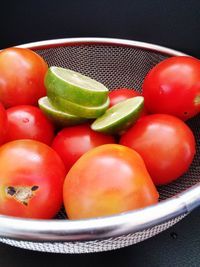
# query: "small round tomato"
173,87
22,74
72,142
121,94
28,122
106,180
166,144
3,124
31,180
118,95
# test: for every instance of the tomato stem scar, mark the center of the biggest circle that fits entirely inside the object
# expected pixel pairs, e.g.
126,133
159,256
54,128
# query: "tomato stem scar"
197,100
21,193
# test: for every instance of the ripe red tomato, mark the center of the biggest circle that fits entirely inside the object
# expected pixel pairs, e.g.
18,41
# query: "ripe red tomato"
166,144
31,178
173,87
21,77
121,94
3,124
72,142
28,122
108,179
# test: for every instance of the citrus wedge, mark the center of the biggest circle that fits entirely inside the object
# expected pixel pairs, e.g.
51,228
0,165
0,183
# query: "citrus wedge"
76,109
58,117
75,87
119,117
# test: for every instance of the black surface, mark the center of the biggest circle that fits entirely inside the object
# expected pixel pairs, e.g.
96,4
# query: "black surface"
175,24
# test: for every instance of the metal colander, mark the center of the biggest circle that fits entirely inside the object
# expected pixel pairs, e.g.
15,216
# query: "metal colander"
115,63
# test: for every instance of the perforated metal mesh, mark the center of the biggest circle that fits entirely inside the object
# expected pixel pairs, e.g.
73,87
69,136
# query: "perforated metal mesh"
115,66
92,246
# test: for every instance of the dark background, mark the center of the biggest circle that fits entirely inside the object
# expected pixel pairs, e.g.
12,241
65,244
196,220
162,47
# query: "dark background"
174,24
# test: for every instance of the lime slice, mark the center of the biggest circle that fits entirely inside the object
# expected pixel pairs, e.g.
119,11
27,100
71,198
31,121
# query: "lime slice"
119,117
75,87
76,109
61,119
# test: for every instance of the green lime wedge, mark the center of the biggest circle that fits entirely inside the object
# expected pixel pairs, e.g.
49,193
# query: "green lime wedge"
75,87
59,118
119,117
76,109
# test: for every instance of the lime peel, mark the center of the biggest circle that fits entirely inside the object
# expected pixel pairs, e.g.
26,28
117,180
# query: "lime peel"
75,87
76,109
59,117
119,117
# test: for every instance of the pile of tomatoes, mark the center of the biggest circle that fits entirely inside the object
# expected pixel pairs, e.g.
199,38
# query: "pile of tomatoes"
93,174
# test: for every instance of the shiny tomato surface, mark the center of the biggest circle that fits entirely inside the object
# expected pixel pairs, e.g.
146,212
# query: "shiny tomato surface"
72,142
107,180
166,144
173,87
3,124
121,94
31,180
22,74
28,122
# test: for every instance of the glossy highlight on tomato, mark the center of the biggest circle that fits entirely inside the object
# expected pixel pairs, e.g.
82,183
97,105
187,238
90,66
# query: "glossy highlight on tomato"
28,122
166,144
107,180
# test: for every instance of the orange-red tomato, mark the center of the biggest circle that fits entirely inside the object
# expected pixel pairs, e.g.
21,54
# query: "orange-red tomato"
22,74
31,180
108,179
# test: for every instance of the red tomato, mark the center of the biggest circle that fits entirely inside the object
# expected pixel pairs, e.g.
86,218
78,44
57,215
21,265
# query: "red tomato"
121,94
28,122
173,87
31,178
108,179
166,144
3,124
21,77
72,142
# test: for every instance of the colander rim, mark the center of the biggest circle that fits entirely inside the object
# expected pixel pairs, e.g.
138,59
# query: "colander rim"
110,226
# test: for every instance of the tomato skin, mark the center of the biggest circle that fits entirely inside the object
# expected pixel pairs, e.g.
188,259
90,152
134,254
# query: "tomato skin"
3,124
31,163
121,94
118,95
166,144
72,142
173,87
28,122
22,74
108,179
